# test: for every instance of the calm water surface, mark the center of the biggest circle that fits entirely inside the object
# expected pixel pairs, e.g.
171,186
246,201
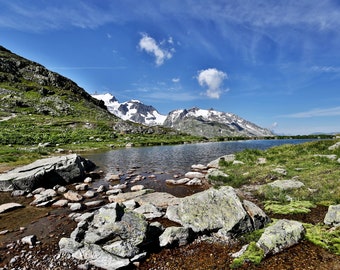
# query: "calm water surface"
177,158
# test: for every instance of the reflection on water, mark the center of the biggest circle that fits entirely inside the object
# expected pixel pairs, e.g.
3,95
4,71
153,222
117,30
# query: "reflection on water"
174,159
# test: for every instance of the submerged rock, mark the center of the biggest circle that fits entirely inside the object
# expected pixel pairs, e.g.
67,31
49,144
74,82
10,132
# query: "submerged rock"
7,207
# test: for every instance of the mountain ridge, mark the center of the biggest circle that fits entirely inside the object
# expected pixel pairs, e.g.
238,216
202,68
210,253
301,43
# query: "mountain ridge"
195,121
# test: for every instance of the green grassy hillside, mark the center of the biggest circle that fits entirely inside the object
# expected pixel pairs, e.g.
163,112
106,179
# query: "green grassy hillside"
39,106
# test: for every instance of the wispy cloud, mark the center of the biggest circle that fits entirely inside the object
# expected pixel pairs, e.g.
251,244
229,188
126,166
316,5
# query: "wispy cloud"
326,69
213,80
335,111
150,45
87,68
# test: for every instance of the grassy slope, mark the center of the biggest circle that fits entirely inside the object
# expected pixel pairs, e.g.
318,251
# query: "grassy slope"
320,176
44,106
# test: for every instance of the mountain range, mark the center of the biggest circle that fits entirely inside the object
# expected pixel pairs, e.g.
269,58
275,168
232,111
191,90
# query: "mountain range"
198,122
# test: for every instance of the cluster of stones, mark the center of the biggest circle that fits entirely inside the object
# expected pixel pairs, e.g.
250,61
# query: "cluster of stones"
122,232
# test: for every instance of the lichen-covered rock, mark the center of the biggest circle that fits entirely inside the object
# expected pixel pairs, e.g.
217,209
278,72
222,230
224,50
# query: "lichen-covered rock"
109,238
149,210
46,173
333,215
96,256
178,236
286,184
283,234
212,210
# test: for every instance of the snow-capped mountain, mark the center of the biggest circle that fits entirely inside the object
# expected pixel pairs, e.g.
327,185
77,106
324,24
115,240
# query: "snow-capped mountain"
195,121
211,123
132,110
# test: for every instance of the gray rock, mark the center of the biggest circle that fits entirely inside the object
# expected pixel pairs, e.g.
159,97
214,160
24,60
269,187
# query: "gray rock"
96,256
181,181
149,210
334,146
199,167
283,234
49,192
108,238
18,193
73,196
215,172
331,157
69,245
333,215
60,203
82,187
261,160
38,190
124,249
160,199
215,163
122,197
46,172
39,199
75,206
89,194
280,171
30,240
7,207
194,182
212,210
137,188
61,189
178,236
94,203
192,175
257,215
286,184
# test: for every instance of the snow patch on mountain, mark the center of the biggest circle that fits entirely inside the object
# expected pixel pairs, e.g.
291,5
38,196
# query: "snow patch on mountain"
132,110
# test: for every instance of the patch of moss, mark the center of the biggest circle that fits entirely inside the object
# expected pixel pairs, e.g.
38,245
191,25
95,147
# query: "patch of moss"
323,236
253,254
294,207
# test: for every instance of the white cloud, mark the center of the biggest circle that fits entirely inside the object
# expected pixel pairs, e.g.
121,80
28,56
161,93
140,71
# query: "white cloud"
176,80
213,79
335,111
326,69
150,45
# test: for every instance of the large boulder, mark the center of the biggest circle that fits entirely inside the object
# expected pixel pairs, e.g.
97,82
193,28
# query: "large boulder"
46,172
333,215
110,238
283,234
212,210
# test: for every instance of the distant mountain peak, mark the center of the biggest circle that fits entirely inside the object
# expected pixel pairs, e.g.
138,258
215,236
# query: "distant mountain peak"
133,110
196,121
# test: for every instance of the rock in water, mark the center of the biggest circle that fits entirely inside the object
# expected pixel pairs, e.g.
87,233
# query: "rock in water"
6,207
46,173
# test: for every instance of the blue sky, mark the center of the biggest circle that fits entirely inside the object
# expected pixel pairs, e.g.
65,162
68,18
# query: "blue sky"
275,63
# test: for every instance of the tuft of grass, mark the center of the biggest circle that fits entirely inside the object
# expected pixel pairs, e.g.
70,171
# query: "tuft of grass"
294,207
323,236
253,254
